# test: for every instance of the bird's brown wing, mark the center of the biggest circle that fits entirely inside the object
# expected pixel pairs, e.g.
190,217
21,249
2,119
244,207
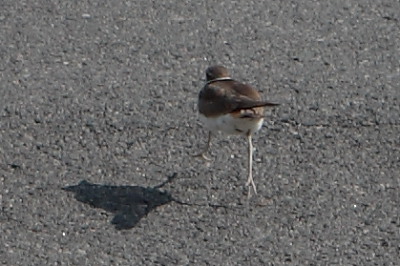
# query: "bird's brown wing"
225,97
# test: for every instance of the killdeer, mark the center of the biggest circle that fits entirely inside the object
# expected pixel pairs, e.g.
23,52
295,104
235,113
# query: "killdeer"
232,107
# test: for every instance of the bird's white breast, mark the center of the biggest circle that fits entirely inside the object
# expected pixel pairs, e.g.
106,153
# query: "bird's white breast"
231,125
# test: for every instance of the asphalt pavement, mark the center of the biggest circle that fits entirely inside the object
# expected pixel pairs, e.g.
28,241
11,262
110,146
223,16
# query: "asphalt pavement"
98,125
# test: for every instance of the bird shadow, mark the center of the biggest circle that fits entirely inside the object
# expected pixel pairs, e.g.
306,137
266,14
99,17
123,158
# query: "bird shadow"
128,203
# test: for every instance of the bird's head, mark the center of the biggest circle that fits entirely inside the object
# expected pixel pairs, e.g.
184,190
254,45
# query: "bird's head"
216,72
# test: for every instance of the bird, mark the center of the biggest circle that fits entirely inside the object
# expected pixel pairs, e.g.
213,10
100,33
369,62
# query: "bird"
232,107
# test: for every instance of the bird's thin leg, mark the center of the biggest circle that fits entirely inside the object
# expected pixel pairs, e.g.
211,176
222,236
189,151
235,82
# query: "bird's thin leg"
203,153
250,167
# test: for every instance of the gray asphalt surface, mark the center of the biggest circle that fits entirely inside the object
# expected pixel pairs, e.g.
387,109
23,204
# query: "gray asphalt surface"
98,124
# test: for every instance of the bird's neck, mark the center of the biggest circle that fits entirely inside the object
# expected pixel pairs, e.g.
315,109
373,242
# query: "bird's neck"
218,79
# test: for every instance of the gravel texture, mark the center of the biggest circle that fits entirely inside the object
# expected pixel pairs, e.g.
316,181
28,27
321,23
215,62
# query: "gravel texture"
98,124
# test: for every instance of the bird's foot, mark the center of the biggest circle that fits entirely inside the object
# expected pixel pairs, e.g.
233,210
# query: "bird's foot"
250,184
202,156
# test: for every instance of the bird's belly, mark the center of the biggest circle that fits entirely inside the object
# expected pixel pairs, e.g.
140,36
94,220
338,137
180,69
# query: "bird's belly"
232,125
